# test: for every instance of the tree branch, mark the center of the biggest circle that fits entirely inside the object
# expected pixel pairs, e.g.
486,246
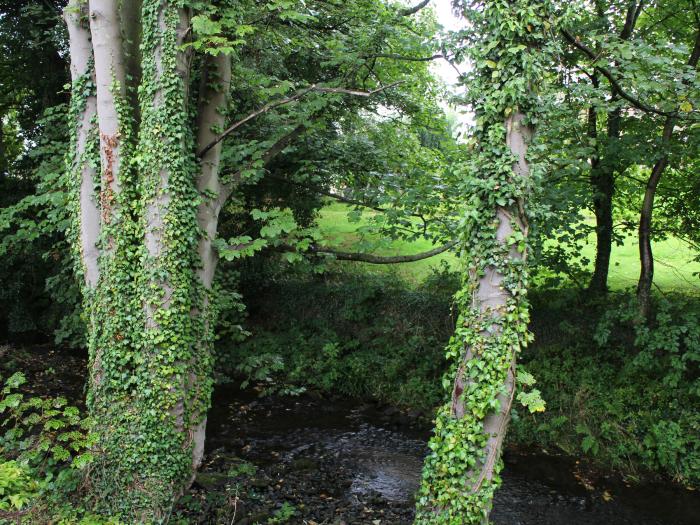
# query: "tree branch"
576,42
296,96
405,58
413,10
379,259
267,157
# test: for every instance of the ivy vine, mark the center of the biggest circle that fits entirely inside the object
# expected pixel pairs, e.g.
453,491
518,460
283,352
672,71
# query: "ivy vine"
507,42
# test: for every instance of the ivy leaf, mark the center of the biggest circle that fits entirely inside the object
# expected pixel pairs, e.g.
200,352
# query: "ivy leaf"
525,378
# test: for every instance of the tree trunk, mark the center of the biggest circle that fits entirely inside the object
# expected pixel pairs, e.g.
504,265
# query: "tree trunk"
492,346
603,181
646,256
603,186
603,170
83,173
214,90
150,373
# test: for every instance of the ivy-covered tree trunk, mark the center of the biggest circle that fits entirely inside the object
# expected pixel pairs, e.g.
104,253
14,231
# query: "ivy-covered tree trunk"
460,474
143,221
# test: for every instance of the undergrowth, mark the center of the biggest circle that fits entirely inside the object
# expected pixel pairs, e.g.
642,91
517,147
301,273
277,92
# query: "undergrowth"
622,394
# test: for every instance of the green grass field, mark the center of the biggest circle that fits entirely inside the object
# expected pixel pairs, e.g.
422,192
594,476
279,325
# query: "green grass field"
673,269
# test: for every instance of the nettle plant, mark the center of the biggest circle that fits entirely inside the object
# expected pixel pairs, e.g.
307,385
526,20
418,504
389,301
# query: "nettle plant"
508,44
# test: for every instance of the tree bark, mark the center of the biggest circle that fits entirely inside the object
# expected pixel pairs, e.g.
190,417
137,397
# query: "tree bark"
214,96
646,256
88,220
603,181
110,80
491,299
459,475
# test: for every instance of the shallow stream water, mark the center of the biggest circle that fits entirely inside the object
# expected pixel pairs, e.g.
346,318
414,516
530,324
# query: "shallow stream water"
343,462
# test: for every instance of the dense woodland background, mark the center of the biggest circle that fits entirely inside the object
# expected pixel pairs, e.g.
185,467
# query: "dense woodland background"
338,260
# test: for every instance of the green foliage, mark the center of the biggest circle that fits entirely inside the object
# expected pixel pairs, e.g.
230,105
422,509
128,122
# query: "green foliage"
283,515
37,289
345,332
45,447
17,488
622,393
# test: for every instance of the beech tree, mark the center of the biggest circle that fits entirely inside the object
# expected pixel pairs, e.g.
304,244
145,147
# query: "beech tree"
149,113
136,238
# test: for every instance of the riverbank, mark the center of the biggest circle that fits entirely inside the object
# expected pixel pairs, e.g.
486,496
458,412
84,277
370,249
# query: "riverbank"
332,460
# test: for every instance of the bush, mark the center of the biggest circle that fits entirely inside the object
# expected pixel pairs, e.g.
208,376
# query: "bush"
624,393
44,449
348,333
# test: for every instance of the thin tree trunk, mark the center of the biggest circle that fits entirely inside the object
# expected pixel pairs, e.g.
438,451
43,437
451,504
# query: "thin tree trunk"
603,170
646,256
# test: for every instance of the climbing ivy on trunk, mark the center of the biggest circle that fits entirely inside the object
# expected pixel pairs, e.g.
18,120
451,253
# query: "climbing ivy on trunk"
508,43
135,232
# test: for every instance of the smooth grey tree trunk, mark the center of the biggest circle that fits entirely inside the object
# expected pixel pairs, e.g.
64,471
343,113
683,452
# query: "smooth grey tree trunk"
491,298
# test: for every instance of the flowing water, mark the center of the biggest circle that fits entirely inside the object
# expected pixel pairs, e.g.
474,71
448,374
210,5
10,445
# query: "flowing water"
340,462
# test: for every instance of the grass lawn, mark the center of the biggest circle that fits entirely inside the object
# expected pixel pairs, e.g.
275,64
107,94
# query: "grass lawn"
673,271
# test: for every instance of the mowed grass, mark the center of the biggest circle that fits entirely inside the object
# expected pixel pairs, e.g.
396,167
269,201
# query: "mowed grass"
348,236
673,270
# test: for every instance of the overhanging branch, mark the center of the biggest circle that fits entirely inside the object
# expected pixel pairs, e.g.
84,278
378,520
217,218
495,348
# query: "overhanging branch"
296,96
576,42
278,147
382,259
358,256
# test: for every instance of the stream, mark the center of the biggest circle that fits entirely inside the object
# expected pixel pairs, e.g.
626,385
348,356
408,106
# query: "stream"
345,462
341,462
